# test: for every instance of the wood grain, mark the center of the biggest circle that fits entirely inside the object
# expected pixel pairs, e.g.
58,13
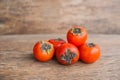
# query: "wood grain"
55,16
18,63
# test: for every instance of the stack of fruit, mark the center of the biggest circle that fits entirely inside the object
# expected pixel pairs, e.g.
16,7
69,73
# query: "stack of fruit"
69,52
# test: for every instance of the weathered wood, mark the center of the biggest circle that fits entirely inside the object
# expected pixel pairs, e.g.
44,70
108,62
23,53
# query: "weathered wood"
36,16
18,63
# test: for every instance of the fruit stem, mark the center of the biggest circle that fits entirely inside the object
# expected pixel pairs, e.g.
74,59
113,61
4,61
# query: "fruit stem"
76,31
58,39
68,56
46,47
90,44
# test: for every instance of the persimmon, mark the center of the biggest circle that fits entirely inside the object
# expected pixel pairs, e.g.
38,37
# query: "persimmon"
67,54
77,35
57,42
89,52
43,51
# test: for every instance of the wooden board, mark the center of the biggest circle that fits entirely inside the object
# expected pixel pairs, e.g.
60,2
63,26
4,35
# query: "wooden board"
56,16
18,63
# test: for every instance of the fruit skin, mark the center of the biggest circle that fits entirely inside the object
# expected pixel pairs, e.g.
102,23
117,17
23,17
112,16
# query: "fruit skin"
62,51
77,38
89,52
57,42
43,55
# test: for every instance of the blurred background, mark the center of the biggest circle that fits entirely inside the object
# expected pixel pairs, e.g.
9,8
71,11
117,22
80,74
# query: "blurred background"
57,16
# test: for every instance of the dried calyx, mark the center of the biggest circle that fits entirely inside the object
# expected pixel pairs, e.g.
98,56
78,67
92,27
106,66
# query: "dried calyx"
45,47
58,39
68,56
90,44
76,31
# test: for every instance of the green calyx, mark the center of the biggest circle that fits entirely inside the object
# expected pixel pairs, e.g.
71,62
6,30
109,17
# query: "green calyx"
90,44
58,39
76,31
68,56
45,47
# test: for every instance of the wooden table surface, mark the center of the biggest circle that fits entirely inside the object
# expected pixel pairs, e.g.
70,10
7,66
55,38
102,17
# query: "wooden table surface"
18,63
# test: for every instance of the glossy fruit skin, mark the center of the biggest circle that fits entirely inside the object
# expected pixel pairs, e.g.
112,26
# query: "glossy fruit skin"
61,51
41,55
57,42
89,54
77,39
